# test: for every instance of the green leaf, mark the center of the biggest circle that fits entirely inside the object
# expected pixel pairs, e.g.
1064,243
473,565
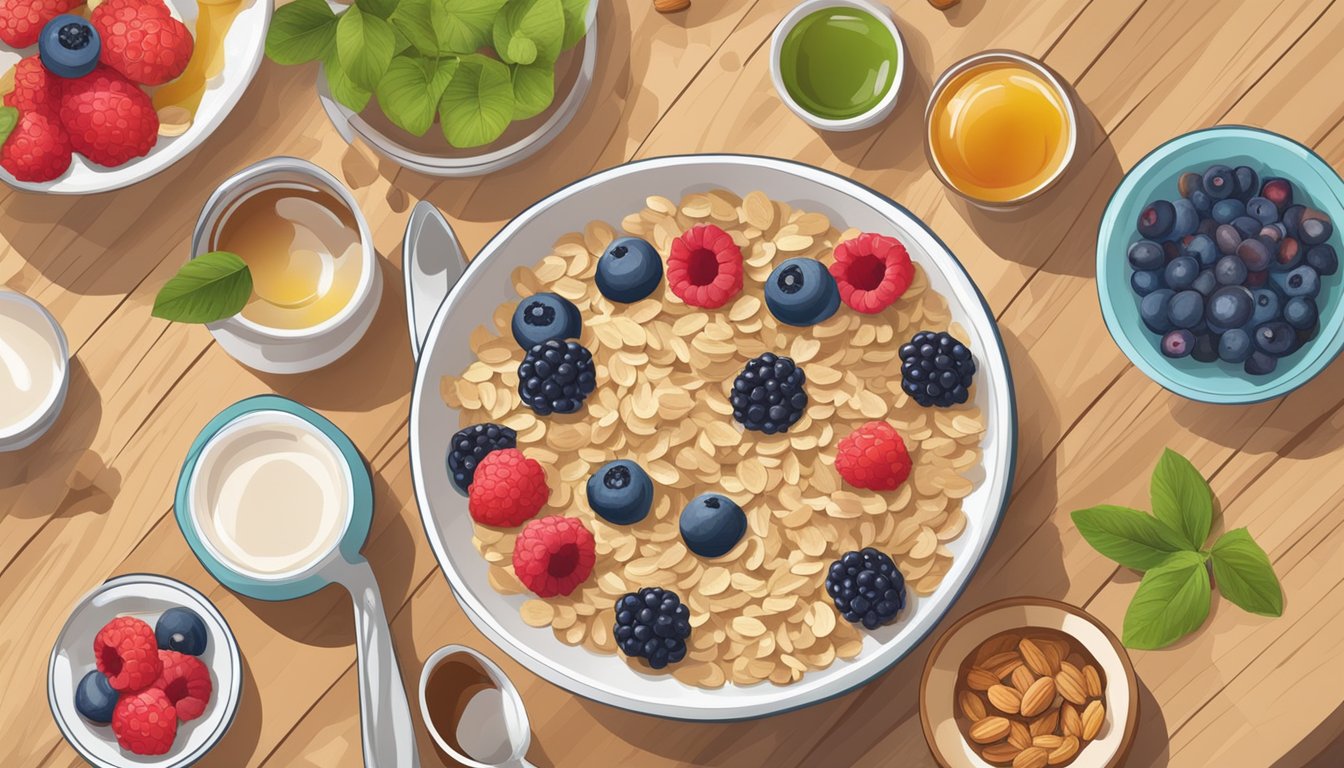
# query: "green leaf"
478,104
410,91
1128,536
403,43
533,89
1181,498
1172,601
9,117
380,8
576,22
530,30
353,95
208,288
464,25
301,31
365,44
1244,574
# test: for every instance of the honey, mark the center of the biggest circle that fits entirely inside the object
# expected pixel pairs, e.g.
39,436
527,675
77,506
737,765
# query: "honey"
213,20
1000,131
303,248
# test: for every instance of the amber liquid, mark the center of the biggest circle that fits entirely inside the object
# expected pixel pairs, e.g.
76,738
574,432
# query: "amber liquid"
450,688
999,132
302,246
213,20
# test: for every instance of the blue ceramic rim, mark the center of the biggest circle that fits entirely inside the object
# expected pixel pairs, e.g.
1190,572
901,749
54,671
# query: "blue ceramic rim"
1323,350
361,515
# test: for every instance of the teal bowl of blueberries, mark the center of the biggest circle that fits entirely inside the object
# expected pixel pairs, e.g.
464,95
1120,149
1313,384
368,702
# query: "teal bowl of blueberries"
1218,265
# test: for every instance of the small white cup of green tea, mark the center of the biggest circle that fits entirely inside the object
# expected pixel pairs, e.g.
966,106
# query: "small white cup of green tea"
34,370
838,64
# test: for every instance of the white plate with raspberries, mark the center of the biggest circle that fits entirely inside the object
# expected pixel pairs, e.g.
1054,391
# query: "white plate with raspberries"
103,97
446,300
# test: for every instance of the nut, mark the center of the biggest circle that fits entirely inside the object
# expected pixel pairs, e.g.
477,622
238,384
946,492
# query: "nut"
1092,681
1005,699
1069,682
1034,657
1038,697
1022,679
671,6
1018,735
1031,757
1044,724
1000,754
989,730
1093,717
971,706
1047,741
1067,748
1069,721
980,679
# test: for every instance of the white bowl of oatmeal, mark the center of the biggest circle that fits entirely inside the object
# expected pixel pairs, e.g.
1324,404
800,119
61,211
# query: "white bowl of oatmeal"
765,636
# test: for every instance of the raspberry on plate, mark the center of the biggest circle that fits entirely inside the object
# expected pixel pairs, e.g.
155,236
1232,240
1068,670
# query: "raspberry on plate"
35,89
126,651
145,723
470,445
21,21
109,119
507,489
142,40
185,680
873,457
872,271
38,149
553,555
705,267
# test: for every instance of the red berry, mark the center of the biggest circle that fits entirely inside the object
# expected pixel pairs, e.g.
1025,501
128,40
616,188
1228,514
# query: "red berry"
185,680
21,21
705,267
145,723
507,489
872,272
553,555
873,457
142,40
127,653
35,89
109,119
38,149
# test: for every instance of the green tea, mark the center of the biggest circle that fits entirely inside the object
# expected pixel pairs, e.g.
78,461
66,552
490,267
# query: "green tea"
839,63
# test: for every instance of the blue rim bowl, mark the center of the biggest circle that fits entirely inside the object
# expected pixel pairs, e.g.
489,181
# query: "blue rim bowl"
1315,184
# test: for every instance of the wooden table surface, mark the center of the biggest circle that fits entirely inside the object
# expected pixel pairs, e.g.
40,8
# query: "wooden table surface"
93,499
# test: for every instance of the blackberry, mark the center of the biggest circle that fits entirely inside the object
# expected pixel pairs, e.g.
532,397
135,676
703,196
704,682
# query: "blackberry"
768,395
936,369
470,445
556,376
866,587
652,624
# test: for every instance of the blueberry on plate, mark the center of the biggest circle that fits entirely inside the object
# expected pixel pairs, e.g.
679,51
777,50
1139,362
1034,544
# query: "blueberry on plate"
1248,181
1235,346
1266,306
1220,182
1156,221
1178,343
1260,364
1145,282
1279,192
1262,209
1288,255
1224,211
1230,307
1292,218
1315,227
1181,272
470,445
545,316
1277,338
69,46
1203,249
1323,259
1303,281
712,524
1206,283
1230,270
1146,255
1254,254
1226,238
620,492
801,292
629,270
1153,310
95,698
1186,310
1205,349
1187,218
1188,183
1246,226
1301,313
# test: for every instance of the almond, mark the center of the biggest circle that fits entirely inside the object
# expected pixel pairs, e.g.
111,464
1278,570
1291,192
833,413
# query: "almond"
989,730
1034,657
1064,752
994,646
1000,754
1008,667
1031,757
1005,699
1092,681
1069,682
1038,697
1022,679
1044,724
1018,735
1093,717
980,679
671,6
999,659
1069,721
1047,741
971,706
1052,656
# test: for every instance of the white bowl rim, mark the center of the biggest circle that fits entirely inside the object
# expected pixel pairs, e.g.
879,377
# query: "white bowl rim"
30,429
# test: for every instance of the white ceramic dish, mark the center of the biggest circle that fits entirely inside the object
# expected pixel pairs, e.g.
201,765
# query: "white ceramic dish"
26,433
144,596
857,123
434,264
244,46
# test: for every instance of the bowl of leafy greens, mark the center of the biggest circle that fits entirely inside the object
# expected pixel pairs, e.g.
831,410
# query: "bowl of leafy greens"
448,88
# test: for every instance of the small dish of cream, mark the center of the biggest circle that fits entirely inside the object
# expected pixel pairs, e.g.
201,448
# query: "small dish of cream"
34,370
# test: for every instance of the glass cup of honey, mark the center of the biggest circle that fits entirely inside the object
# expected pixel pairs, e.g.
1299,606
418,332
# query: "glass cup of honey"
1001,129
315,277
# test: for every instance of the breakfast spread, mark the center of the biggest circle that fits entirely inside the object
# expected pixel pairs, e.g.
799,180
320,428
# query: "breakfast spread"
726,442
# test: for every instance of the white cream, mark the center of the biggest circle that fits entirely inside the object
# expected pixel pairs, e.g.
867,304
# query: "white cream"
32,364
271,495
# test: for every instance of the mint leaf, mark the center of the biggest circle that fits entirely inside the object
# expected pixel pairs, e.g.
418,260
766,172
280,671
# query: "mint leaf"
1128,536
1172,601
464,25
380,8
365,44
533,89
349,93
1181,498
208,288
576,22
403,43
1245,575
9,118
410,91
478,104
530,30
301,31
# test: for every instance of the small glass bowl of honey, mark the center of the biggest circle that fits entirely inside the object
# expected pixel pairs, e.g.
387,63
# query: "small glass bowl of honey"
1001,129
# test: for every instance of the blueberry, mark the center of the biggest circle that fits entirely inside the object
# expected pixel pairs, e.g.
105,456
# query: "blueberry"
1203,249
1186,309
1323,259
1230,270
1205,349
1156,221
1273,233
1187,218
69,46
712,524
1206,283
1145,282
1230,307
1315,228
1266,306
1189,183
1224,211
1207,226
621,492
1279,192
1276,338
1292,219
1181,272
545,316
1145,254
1301,313
1303,281
629,270
1260,364
1254,254
1234,346
1248,181
181,630
1202,202
1227,239
1153,310
1288,255
1178,343
1246,226
801,292
95,698
1262,209
1220,182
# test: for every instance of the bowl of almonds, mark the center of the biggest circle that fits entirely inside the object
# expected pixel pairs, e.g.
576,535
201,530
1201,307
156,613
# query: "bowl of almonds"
1029,682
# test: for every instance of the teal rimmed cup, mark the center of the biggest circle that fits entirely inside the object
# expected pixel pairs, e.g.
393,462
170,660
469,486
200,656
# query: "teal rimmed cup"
1315,184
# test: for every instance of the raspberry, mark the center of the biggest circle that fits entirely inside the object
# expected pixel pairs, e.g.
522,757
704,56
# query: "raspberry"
126,651
21,21
35,89
705,267
38,149
872,272
185,680
145,723
507,489
553,555
873,457
142,40
109,119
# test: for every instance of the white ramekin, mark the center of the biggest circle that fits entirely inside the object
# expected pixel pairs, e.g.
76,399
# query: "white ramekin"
30,429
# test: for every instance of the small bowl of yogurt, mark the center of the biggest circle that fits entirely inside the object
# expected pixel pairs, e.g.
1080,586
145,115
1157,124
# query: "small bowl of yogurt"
34,370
